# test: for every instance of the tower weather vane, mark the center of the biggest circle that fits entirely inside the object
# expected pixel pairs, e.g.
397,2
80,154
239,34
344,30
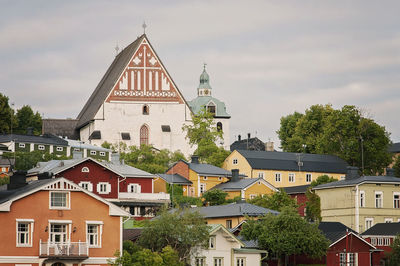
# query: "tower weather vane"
144,27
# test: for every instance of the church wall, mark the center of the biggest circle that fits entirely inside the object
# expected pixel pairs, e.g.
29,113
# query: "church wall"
226,132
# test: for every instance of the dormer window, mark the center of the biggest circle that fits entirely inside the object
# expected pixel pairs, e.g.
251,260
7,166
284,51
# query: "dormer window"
85,169
211,108
145,109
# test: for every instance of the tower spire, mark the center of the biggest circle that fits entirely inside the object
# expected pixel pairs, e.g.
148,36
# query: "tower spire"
144,27
204,88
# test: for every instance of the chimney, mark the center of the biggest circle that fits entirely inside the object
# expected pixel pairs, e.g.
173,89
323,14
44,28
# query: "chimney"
195,159
390,172
17,180
115,158
29,131
235,175
352,173
45,175
269,146
77,155
248,135
239,138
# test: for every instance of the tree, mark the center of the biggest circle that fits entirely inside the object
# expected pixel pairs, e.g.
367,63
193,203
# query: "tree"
182,230
394,255
27,160
275,201
323,179
203,133
344,132
286,234
396,166
27,119
215,197
6,115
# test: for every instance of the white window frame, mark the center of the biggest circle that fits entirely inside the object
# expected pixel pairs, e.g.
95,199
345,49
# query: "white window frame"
93,152
278,177
3,169
107,188
388,220
41,147
99,225
240,261
86,185
103,153
379,241
308,177
203,188
200,261
373,241
260,174
67,233
204,178
212,242
137,188
60,148
386,241
219,178
252,196
68,201
379,204
85,169
367,221
235,161
77,149
29,234
218,261
293,177
396,194
21,145
362,198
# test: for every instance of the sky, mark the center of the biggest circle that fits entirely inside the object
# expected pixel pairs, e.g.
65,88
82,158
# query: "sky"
266,59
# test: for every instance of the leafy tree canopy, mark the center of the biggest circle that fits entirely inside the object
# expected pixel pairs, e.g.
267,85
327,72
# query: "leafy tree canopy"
215,197
6,115
343,132
26,118
394,256
323,179
27,160
275,201
286,234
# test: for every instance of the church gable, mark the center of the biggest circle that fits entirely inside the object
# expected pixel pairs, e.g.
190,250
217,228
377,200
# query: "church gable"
145,79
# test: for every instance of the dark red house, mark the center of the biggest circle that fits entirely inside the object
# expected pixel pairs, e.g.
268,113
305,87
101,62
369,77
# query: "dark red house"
119,183
299,194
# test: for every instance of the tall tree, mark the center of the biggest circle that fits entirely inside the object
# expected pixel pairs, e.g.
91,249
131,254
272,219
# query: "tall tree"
343,132
286,234
6,115
394,255
275,201
215,197
26,118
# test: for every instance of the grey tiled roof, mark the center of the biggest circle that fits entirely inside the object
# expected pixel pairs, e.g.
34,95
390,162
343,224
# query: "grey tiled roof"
248,144
106,83
273,160
237,185
44,139
248,243
11,194
176,178
296,189
232,210
333,231
60,127
383,229
208,169
394,148
359,180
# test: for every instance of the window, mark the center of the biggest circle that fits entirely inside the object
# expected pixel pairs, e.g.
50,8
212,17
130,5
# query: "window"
387,241
218,261
369,222
85,169
204,178
260,175
103,188
240,261
77,149
378,199
41,147
3,169
291,177
252,196
202,188
235,161
211,108
24,232
86,185
200,261
388,220
308,178
145,109
380,241
58,233
21,145
134,188
59,200
373,241
211,242
219,178
219,126
144,135
125,136
350,261
93,233
93,152
277,177
229,224
102,153
362,199
396,200
342,177
60,148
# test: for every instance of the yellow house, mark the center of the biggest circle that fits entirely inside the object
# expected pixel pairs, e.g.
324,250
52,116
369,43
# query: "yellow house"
203,176
245,188
161,181
360,202
285,169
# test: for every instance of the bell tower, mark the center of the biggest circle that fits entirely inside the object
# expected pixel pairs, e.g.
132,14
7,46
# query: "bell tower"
204,88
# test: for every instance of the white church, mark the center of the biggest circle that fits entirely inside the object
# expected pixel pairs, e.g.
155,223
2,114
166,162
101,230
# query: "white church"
137,102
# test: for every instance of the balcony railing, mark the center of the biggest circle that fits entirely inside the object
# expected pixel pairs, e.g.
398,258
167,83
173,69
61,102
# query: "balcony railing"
67,250
144,196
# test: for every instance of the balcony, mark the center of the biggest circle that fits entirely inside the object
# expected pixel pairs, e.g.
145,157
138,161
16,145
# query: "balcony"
143,196
70,250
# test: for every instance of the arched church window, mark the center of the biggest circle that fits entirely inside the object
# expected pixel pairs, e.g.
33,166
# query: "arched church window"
145,109
211,108
219,126
144,135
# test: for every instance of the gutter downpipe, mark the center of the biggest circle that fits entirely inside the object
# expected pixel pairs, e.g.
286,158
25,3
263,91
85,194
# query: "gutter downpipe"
357,207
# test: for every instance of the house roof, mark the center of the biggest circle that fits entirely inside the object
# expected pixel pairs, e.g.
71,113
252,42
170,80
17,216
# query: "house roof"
383,229
242,184
359,180
44,139
248,144
199,102
208,169
213,228
232,210
82,145
175,179
296,190
60,127
288,161
394,148
132,234
6,161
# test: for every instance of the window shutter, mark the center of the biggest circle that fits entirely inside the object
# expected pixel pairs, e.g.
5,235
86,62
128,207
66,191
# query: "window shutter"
90,187
98,187
356,259
108,188
139,189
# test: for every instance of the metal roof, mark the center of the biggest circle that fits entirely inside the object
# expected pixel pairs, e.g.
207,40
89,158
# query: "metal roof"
199,102
359,180
394,148
288,161
240,184
333,231
175,178
11,194
44,139
208,169
383,229
81,145
296,189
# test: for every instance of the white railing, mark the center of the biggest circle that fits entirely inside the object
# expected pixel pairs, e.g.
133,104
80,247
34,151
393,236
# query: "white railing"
143,196
72,249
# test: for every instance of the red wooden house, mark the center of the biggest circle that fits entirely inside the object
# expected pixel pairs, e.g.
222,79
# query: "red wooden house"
299,194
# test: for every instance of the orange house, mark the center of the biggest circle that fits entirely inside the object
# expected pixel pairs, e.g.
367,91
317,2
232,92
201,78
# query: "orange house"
56,222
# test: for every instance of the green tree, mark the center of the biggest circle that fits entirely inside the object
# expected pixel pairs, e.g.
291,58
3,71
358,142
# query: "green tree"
394,255
26,118
323,179
286,234
27,160
182,230
203,134
344,132
275,201
215,197
6,115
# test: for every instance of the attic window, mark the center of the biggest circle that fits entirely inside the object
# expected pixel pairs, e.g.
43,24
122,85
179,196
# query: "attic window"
95,135
165,128
125,136
145,109
211,108
85,169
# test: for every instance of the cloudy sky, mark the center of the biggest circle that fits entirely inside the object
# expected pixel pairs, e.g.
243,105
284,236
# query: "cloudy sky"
266,59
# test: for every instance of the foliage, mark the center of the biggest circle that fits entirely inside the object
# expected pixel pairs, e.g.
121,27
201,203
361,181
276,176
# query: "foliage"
203,133
149,159
28,160
235,199
182,230
27,119
275,201
343,132
6,115
286,234
107,145
215,197
323,179
182,201
394,255
396,166
4,180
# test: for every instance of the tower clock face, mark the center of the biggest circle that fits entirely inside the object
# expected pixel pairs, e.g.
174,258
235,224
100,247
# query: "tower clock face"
206,92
